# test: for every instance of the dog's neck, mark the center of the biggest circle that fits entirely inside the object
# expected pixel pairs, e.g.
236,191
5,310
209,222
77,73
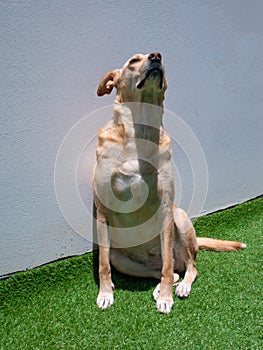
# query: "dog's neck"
142,127
138,113
152,97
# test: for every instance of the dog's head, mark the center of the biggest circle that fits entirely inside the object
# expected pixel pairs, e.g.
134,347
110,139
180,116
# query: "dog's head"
141,79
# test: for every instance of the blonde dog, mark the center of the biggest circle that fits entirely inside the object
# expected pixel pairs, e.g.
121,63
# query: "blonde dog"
140,231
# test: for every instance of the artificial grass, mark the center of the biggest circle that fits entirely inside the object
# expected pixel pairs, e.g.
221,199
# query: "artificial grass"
54,307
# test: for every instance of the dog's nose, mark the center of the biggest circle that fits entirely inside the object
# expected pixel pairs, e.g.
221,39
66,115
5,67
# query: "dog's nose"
155,56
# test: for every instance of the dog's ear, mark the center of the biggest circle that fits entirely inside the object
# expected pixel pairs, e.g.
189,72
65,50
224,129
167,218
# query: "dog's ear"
108,82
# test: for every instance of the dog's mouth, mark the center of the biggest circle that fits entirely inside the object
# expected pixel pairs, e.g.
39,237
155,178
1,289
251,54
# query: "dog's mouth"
154,72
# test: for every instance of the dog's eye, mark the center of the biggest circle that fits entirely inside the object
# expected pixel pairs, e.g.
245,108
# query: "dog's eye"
134,60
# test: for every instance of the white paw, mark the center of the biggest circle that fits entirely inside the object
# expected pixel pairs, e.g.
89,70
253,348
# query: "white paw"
183,289
156,292
176,278
105,300
164,306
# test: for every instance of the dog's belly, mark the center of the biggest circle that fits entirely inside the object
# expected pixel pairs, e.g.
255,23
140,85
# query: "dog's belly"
148,254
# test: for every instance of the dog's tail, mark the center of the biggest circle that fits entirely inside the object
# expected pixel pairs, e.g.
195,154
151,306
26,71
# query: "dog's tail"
219,245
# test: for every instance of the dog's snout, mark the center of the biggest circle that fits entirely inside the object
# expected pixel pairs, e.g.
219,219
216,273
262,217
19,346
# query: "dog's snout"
155,56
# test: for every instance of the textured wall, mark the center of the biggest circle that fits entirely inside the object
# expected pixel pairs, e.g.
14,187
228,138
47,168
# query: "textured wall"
52,56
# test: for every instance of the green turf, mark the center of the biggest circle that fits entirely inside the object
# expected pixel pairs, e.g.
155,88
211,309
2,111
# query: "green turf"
53,307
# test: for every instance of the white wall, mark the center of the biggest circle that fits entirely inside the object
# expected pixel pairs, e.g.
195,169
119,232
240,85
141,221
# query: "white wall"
52,56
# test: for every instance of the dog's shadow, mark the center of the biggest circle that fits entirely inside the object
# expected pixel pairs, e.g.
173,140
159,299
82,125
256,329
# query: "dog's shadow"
123,282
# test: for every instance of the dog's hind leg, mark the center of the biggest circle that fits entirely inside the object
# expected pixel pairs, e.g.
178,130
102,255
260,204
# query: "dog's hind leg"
185,251
125,265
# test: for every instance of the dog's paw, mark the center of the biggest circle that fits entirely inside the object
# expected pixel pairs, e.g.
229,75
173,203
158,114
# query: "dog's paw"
105,300
164,305
176,278
183,289
156,292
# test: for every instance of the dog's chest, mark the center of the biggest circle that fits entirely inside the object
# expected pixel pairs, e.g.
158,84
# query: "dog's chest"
135,180
133,172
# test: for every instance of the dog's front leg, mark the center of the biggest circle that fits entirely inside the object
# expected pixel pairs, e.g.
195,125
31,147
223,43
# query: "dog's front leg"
165,298
105,297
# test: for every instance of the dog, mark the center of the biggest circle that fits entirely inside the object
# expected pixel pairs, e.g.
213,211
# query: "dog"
140,230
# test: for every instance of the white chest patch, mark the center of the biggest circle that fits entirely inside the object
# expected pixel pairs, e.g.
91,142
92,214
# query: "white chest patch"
133,183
